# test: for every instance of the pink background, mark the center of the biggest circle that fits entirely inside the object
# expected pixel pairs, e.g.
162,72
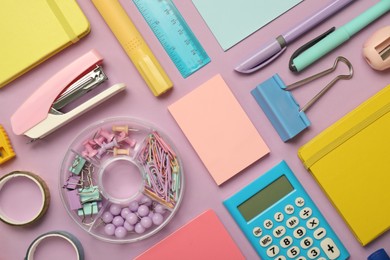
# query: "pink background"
44,157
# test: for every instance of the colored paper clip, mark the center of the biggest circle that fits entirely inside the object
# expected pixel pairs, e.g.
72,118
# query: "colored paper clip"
274,97
6,151
89,194
73,182
74,199
41,113
88,209
77,165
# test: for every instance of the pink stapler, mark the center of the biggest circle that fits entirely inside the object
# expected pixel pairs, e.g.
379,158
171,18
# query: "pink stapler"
41,113
376,49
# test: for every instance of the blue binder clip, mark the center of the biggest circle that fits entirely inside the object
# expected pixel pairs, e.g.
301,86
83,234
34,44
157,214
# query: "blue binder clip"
279,105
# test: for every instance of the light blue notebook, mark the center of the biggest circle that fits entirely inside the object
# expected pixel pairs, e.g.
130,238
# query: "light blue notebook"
231,21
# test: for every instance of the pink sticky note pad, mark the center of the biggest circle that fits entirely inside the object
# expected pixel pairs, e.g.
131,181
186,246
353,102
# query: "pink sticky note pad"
219,129
204,237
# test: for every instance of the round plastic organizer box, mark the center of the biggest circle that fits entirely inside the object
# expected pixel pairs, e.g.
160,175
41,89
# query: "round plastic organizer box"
121,180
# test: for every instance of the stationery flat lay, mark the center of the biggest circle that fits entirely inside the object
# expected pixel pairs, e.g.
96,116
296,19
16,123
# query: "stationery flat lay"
166,129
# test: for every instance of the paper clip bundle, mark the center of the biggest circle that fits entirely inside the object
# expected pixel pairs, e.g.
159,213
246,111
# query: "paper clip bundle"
41,113
285,114
162,170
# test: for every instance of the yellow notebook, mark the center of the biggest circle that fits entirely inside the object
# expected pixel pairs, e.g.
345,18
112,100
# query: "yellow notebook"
33,30
351,162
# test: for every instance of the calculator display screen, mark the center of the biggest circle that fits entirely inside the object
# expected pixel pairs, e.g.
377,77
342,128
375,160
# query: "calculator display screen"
266,197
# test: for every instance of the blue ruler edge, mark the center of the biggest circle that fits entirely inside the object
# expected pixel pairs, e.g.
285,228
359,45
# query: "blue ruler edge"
174,35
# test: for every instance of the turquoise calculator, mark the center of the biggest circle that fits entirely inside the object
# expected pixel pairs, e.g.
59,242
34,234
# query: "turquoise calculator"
281,221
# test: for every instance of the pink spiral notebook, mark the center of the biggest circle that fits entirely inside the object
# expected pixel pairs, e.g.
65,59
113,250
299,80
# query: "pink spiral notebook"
204,237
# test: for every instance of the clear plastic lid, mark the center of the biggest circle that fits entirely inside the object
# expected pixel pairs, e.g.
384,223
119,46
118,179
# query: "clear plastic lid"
121,180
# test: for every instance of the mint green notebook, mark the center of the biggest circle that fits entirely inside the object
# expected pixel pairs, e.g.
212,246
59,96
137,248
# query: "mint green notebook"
231,21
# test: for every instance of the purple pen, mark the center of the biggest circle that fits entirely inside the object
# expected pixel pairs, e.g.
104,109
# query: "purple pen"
275,48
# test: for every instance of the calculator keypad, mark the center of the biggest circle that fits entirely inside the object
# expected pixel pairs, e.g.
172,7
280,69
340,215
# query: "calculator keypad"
268,224
292,222
266,241
289,209
295,236
272,251
279,216
279,231
257,231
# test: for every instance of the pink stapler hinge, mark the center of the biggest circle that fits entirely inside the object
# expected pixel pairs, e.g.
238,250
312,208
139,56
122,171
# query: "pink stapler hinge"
41,113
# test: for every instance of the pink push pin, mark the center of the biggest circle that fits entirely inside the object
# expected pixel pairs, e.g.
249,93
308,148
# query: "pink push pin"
121,128
104,147
99,140
101,152
84,154
118,151
124,138
89,151
106,134
130,142
112,144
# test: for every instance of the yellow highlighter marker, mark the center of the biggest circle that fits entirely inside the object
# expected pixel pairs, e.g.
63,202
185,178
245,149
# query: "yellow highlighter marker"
134,45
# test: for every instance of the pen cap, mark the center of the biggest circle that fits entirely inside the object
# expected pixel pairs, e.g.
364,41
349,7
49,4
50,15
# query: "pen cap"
340,35
134,45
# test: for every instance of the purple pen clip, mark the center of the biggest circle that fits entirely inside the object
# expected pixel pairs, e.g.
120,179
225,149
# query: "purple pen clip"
262,58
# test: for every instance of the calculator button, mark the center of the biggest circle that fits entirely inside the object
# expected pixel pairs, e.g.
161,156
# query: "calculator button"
330,248
268,224
301,258
319,233
312,223
257,231
279,231
272,251
312,253
279,216
281,257
266,241
289,209
305,212
286,241
292,222
306,242
299,232
299,201
293,252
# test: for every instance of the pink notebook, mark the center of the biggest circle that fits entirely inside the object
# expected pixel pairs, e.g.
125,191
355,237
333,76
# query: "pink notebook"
204,237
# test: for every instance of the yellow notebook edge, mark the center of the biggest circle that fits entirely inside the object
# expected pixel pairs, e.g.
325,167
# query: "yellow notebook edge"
346,127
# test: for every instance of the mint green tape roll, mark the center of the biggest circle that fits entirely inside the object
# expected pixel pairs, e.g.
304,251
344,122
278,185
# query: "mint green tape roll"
340,35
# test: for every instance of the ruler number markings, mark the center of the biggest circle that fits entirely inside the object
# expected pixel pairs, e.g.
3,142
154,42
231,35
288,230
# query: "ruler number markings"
174,35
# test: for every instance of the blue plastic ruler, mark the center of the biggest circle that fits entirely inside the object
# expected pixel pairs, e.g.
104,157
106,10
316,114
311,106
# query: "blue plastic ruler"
174,35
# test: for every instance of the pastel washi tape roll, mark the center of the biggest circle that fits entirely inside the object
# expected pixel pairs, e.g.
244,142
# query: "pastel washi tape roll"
24,198
34,248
